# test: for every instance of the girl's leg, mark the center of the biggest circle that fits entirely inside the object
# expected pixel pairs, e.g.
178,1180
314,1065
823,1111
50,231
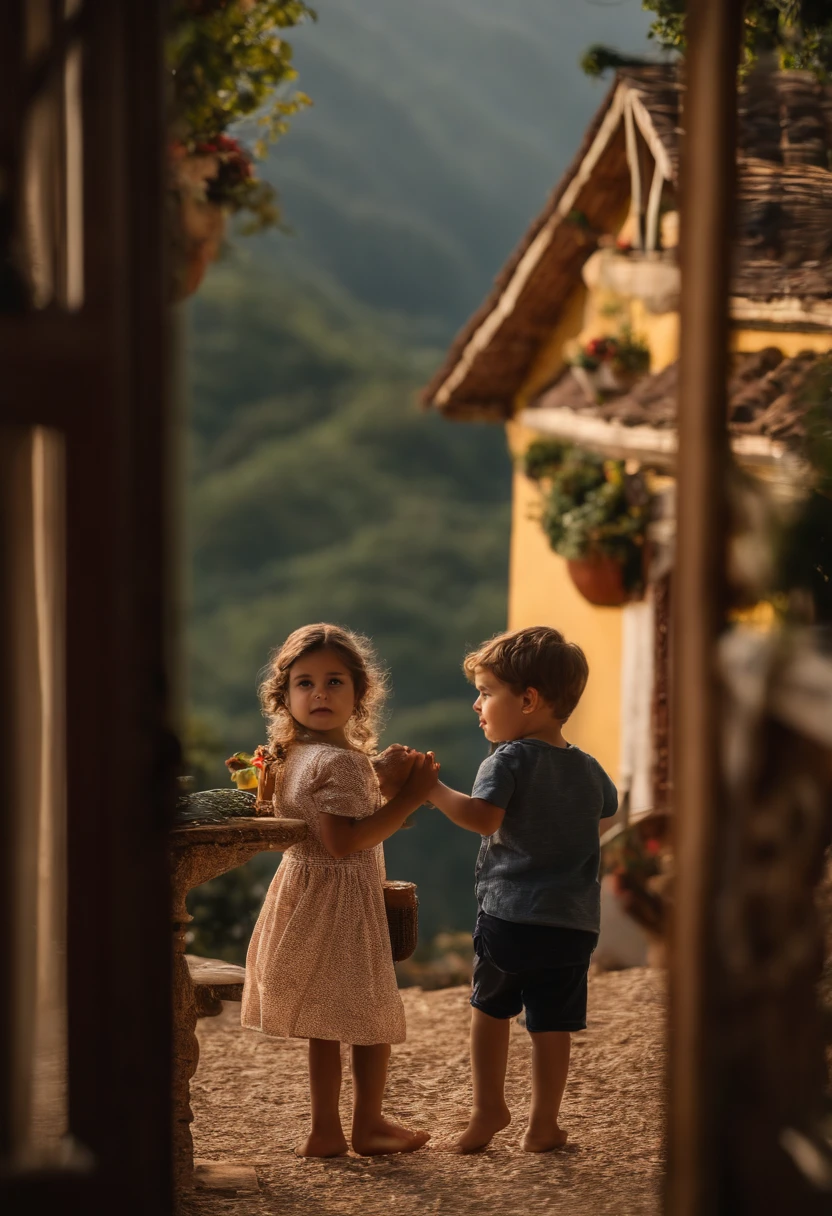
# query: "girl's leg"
372,1134
550,1066
326,1139
489,1059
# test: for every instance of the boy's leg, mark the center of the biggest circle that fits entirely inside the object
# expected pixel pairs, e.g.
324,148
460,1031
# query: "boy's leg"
555,1001
326,1139
372,1134
489,1059
550,1067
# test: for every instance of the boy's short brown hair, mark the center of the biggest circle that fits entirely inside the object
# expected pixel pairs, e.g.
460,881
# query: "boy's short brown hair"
538,658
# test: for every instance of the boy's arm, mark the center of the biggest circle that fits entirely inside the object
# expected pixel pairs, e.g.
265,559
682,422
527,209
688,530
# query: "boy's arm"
472,813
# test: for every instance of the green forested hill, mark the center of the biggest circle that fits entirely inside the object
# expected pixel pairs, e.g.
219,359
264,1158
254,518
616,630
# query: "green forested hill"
321,492
317,488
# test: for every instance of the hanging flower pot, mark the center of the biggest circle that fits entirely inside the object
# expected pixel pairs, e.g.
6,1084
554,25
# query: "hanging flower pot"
199,221
190,275
611,366
595,515
614,379
202,233
600,580
198,247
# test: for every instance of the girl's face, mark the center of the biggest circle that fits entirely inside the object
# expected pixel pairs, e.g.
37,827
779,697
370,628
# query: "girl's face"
321,693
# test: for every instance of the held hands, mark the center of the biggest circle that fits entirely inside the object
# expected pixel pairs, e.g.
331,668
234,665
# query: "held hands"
393,767
424,776
403,770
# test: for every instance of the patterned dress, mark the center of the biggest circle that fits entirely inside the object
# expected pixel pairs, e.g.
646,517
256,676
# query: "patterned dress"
319,964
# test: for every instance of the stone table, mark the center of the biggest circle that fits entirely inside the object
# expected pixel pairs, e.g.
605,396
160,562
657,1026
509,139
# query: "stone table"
199,852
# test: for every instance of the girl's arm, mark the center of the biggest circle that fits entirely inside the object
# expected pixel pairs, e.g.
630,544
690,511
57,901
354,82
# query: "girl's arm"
472,813
341,836
393,768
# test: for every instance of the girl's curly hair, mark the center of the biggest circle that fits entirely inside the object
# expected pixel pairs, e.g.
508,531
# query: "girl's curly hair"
369,680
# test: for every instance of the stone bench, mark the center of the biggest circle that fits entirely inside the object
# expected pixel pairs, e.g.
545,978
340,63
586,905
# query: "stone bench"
214,981
199,852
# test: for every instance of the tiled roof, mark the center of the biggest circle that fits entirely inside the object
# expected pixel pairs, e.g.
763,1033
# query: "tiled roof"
783,243
764,396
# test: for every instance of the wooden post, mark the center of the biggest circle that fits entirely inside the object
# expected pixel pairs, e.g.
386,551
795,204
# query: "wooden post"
660,714
708,168
82,191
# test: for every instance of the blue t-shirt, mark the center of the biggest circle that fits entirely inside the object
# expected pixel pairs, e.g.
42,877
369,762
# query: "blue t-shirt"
541,866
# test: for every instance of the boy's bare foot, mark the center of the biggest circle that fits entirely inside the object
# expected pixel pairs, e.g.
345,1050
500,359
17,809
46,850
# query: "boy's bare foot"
480,1130
381,1137
322,1144
543,1141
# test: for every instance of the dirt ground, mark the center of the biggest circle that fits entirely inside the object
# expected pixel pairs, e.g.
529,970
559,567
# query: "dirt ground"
251,1105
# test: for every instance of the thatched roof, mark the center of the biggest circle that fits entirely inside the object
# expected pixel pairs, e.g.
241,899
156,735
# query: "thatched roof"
765,411
784,239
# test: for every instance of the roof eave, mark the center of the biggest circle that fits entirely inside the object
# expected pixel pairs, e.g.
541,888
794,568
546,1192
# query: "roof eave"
657,447
481,328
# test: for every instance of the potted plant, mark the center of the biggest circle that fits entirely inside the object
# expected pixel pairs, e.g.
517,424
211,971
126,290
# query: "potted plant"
608,366
199,219
229,62
639,859
211,181
255,771
595,515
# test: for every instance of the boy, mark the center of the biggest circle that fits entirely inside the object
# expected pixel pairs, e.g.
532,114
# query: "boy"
537,802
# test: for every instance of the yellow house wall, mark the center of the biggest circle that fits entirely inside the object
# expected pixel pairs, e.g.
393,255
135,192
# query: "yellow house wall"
540,589
541,593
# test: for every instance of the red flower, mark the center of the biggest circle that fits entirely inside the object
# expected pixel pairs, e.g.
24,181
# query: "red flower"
234,167
601,348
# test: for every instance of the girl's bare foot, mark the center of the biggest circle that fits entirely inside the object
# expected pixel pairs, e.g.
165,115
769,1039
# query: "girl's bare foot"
381,1136
483,1125
543,1141
323,1144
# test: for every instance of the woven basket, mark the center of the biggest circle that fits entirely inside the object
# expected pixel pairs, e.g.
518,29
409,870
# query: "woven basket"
402,906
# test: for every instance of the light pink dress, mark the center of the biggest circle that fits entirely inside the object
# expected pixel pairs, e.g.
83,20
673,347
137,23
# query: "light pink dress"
319,964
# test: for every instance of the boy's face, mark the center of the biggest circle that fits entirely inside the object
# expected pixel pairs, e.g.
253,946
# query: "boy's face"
499,709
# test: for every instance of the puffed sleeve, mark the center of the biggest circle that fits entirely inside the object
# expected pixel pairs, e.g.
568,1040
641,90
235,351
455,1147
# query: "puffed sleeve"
341,783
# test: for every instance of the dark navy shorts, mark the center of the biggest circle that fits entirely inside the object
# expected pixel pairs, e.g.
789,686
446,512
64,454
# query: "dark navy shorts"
539,968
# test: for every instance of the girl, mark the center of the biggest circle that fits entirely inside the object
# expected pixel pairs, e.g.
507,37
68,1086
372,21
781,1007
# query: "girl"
319,965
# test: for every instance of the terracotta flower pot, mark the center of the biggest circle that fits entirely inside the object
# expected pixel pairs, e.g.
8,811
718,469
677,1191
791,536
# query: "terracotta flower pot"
191,273
199,226
600,580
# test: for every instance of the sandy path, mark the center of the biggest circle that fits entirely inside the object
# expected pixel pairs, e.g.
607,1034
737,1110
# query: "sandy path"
251,1105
